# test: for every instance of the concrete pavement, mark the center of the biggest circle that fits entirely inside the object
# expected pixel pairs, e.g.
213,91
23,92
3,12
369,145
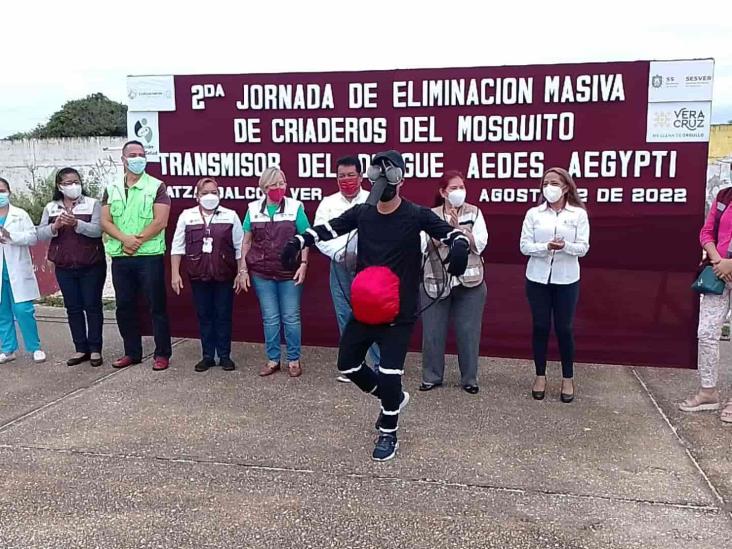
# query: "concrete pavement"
93,457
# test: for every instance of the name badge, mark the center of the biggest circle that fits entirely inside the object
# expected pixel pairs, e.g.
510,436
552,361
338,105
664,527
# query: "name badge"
207,245
721,207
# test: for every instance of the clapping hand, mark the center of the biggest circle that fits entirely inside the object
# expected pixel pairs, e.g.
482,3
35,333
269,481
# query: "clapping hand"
557,243
454,219
68,219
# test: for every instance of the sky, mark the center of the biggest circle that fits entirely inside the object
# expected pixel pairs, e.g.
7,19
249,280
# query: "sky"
53,52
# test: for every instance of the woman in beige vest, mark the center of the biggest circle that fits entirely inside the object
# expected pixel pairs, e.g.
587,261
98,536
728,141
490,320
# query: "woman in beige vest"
453,300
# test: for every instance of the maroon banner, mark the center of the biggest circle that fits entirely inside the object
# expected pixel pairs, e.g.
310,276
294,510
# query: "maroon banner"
502,127
43,269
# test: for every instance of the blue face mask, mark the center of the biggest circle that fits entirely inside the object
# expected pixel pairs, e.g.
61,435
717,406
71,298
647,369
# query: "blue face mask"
136,164
4,199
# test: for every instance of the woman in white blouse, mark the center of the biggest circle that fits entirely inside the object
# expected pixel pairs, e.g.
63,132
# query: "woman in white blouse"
555,234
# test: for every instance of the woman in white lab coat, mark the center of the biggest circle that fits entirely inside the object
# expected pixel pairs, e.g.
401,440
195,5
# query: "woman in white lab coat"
18,285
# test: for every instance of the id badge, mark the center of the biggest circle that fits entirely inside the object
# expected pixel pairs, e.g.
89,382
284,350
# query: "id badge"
207,245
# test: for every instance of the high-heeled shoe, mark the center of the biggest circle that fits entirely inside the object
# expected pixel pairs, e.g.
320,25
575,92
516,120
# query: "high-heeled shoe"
567,397
538,395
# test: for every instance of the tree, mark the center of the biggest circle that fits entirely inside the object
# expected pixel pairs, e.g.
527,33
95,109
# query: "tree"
95,115
25,135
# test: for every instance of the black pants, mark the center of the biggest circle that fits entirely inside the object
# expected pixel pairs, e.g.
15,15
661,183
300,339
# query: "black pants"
82,290
559,301
214,303
144,275
387,384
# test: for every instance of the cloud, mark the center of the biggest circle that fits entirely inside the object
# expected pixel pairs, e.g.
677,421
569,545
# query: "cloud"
81,47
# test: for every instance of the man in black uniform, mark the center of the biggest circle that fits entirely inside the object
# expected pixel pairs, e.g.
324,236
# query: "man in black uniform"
384,293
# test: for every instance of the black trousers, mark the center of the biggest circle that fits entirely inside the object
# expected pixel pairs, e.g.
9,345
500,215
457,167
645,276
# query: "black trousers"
82,290
386,385
558,301
132,277
214,303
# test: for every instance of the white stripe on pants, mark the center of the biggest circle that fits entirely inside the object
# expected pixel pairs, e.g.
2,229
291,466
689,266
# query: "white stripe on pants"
712,314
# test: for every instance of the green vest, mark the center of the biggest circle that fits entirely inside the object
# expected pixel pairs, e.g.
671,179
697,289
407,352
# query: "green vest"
132,212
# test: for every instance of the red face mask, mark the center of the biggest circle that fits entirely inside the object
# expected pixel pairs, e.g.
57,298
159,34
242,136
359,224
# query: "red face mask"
276,195
349,187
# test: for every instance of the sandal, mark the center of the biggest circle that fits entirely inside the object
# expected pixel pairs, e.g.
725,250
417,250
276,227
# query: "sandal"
270,368
726,415
695,404
294,368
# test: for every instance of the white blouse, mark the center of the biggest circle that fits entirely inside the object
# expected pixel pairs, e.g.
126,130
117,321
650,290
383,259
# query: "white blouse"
541,225
193,216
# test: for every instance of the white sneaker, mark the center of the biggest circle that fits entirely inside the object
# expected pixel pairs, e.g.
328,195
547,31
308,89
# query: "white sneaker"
343,379
39,356
7,357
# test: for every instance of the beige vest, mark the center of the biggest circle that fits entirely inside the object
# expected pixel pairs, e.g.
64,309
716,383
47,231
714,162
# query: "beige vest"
434,271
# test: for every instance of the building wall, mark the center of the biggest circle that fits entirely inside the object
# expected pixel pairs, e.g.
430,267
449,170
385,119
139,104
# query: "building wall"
720,160
25,160
720,141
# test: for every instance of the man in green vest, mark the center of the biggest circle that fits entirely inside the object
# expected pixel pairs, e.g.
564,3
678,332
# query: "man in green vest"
135,212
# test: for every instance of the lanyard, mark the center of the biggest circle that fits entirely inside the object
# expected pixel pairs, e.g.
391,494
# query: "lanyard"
207,225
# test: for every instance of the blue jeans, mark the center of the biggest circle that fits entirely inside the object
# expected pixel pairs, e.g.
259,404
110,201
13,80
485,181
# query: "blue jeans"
279,301
340,290
82,290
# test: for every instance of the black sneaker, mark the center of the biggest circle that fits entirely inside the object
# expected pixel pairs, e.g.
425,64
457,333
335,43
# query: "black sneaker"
402,404
204,365
227,364
386,447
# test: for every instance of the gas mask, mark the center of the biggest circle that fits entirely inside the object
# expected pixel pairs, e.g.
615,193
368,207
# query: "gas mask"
385,176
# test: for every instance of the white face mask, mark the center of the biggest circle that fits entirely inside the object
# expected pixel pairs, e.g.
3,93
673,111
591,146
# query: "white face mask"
72,192
209,201
552,193
456,197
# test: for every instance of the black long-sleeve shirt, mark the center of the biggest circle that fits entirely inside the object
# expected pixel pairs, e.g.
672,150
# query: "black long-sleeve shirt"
392,240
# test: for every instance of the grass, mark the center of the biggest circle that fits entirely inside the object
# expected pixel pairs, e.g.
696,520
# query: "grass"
57,300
